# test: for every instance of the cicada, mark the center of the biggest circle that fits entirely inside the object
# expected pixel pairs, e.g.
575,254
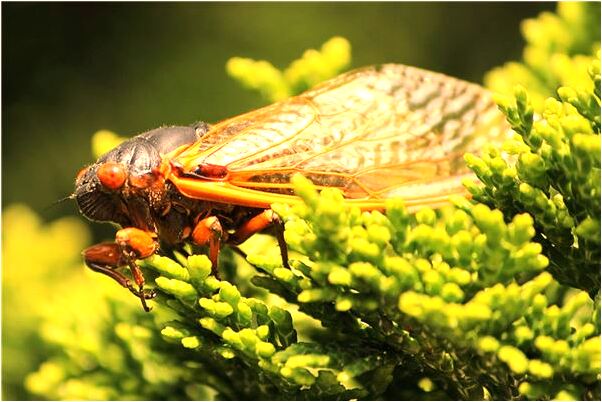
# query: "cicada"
373,133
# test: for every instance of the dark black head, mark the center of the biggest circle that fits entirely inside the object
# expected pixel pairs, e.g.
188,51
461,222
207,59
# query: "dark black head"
123,186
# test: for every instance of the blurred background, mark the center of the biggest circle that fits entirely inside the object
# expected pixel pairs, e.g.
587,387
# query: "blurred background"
69,70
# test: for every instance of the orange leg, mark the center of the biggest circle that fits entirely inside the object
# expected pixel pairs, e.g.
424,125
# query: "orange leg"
130,244
209,231
258,223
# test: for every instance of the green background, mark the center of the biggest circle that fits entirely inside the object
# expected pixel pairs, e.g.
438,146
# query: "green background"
69,70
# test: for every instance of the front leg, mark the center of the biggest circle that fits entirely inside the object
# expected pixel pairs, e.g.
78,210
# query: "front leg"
130,244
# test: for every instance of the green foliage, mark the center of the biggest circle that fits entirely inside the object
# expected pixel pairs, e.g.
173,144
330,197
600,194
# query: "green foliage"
103,141
408,322
558,46
214,316
310,69
26,276
458,290
467,302
111,351
551,169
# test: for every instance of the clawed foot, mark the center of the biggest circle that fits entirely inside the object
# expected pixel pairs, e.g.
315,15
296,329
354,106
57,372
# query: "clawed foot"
144,295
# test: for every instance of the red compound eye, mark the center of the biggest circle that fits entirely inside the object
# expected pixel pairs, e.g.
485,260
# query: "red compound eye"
81,174
111,175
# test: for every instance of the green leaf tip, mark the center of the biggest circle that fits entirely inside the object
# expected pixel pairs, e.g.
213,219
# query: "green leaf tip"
310,69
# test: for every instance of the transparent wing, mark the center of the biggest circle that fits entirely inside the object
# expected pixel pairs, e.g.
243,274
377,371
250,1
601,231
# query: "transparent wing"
374,133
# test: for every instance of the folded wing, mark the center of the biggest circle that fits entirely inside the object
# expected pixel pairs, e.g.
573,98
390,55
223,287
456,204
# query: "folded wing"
374,133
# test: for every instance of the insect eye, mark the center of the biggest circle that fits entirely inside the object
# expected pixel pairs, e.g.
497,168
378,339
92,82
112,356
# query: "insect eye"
142,181
81,174
111,175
